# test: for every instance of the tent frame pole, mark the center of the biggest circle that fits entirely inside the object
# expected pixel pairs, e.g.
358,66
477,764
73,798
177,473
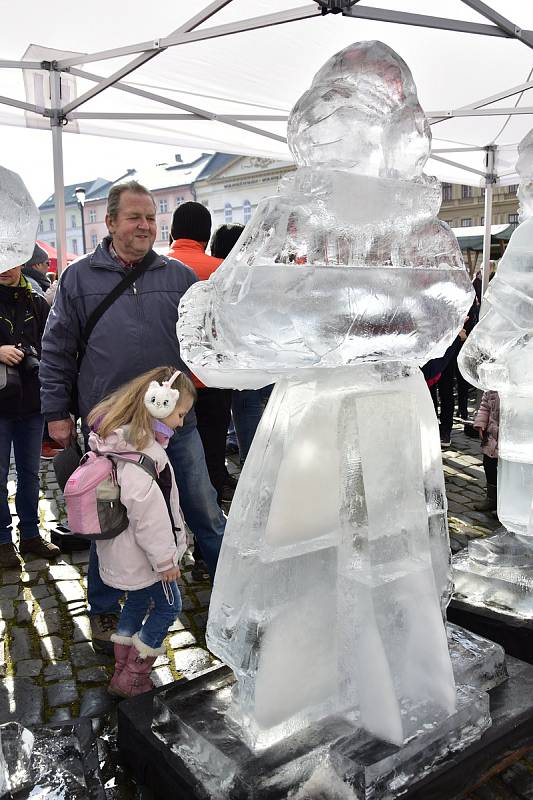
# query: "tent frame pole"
56,123
490,180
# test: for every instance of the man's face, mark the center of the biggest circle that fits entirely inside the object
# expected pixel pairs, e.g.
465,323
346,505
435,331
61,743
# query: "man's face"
11,277
134,228
43,267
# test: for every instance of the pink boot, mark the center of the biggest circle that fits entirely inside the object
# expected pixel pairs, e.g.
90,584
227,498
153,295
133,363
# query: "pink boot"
121,646
135,676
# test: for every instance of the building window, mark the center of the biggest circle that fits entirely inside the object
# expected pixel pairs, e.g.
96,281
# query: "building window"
73,221
94,240
179,200
513,188
482,221
446,191
163,206
228,213
246,211
164,233
466,191
75,246
92,215
41,226
466,223
51,225
513,219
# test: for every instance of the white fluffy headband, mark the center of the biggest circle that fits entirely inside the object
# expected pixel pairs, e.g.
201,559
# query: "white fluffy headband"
160,398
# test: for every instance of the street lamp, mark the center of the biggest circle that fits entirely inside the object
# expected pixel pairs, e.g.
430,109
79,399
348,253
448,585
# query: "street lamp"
79,191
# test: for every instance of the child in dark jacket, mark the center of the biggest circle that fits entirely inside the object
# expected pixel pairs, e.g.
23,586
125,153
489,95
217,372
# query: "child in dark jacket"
487,423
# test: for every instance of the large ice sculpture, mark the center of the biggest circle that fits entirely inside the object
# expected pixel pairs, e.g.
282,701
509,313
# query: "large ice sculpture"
334,572
18,221
498,355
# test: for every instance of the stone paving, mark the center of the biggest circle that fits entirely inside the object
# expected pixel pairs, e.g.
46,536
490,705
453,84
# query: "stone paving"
49,669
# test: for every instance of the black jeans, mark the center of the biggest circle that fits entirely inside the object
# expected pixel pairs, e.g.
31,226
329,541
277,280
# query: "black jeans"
490,465
213,410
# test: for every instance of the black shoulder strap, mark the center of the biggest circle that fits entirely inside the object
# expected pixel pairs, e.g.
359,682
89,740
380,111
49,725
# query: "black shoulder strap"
131,276
144,462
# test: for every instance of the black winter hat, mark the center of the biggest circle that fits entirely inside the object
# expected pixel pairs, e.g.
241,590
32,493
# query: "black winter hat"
224,239
191,221
39,256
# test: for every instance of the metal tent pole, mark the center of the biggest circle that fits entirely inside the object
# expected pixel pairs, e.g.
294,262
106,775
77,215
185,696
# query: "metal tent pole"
489,182
56,122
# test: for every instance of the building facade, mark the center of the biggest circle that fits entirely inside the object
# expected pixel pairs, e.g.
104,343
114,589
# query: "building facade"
464,206
47,230
231,186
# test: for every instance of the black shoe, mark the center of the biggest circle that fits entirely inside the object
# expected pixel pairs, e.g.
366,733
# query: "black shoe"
199,572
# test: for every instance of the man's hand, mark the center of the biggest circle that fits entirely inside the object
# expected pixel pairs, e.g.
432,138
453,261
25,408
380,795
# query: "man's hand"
10,355
62,431
170,575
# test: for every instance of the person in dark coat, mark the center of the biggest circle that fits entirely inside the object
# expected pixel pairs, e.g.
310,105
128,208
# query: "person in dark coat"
37,267
23,316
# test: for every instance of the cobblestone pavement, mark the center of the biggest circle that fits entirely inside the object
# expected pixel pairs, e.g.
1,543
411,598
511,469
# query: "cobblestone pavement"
50,671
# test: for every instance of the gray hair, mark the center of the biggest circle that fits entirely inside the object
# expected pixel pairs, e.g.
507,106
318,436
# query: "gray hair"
115,193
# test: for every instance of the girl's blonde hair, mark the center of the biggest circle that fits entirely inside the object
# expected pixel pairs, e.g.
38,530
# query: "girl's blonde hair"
126,406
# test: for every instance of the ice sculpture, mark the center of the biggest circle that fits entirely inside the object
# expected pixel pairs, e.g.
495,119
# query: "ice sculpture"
498,355
18,221
334,571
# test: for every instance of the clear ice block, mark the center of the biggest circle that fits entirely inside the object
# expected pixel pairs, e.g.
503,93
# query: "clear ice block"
334,572
18,221
498,355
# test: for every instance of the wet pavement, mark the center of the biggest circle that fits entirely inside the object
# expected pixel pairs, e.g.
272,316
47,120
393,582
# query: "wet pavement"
50,671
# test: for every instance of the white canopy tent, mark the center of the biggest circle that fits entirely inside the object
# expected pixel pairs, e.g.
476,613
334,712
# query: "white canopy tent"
227,73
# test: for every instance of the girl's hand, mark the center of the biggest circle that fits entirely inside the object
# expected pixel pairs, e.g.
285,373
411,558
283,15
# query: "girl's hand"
170,575
480,430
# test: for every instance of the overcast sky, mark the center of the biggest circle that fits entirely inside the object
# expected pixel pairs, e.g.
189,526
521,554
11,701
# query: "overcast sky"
29,152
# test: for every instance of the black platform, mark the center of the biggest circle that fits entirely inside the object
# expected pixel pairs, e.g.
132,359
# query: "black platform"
155,766
514,634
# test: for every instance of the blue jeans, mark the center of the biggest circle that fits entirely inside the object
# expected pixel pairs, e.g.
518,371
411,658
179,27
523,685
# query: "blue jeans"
25,434
198,502
161,613
247,408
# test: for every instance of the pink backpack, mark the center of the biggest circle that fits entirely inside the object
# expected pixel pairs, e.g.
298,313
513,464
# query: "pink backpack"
92,494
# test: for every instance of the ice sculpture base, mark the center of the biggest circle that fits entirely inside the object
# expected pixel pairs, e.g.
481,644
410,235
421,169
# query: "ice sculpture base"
476,661
497,574
59,761
189,720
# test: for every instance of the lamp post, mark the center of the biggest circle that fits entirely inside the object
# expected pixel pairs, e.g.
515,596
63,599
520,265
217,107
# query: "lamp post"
80,197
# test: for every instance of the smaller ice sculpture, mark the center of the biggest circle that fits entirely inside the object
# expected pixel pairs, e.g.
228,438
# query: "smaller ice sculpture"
334,572
18,221
498,355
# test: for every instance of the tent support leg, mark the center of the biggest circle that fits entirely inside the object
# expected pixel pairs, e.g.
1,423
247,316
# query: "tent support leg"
489,182
59,182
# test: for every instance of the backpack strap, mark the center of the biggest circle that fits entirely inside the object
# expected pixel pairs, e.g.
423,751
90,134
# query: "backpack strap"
139,459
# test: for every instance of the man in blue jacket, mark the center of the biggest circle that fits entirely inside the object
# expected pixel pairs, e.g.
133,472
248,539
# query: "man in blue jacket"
136,333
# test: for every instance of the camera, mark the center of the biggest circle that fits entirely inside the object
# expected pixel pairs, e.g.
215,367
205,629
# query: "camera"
30,362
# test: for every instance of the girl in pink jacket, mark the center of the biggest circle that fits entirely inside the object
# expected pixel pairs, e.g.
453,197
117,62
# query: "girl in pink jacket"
141,416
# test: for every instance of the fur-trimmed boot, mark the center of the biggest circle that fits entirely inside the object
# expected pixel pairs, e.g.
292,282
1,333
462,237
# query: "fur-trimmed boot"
121,648
490,503
134,678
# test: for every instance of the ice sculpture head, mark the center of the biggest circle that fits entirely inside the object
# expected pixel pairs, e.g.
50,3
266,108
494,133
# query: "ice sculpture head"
349,262
18,221
498,354
362,113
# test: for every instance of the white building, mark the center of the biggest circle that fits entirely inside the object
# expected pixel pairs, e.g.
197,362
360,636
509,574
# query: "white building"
231,186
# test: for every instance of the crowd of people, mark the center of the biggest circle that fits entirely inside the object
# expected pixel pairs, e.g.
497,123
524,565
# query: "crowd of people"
68,364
